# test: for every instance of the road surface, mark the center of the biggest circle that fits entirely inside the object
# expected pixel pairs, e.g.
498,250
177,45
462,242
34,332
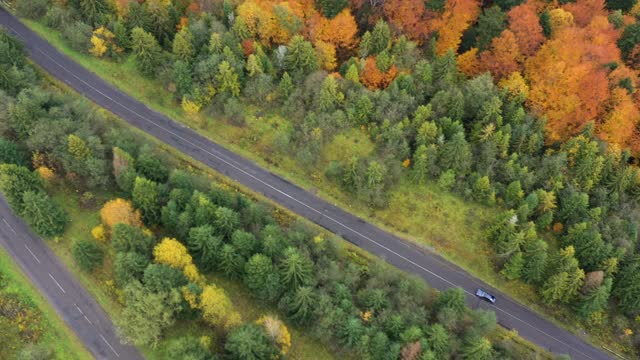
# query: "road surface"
438,272
68,297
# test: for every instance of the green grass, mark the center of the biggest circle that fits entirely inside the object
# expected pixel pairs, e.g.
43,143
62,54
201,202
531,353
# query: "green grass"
56,335
431,218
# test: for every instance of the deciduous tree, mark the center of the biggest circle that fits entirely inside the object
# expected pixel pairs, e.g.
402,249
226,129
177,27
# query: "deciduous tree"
457,17
525,26
119,211
217,308
146,314
172,253
503,56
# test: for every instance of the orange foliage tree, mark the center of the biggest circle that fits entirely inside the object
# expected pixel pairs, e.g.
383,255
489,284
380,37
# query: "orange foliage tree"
468,62
503,56
272,22
524,23
569,84
409,17
341,31
585,10
458,16
374,78
620,124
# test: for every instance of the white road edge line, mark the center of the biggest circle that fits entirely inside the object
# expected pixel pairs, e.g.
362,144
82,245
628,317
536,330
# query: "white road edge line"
57,283
32,254
294,199
109,345
9,226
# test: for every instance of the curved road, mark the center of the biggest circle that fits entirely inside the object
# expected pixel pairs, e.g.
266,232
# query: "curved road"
438,272
78,309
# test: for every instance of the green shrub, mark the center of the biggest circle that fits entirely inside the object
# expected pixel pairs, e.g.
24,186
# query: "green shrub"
88,254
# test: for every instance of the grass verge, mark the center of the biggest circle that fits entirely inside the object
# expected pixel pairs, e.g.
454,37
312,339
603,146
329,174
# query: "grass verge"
55,334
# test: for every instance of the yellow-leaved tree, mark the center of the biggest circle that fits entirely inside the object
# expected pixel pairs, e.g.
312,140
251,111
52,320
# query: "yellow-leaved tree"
515,85
217,309
119,211
172,253
103,40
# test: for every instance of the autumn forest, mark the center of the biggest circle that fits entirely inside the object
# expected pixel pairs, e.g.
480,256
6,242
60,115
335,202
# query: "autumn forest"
523,116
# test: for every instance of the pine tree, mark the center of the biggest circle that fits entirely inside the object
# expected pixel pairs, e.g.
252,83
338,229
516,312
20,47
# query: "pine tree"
148,53
286,85
302,304
482,191
254,66
15,181
455,154
227,79
295,269
205,246
301,58
262,278
553,290
145,197
513,194
87,254
182,77
183,45
535,260
438,340
627,286
595,299
591,250
42,214
514,267
352,74
477,348
330,96
231,263
331,8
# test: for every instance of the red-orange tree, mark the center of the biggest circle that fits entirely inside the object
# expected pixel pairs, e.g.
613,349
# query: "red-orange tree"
409,17
524,23
503,56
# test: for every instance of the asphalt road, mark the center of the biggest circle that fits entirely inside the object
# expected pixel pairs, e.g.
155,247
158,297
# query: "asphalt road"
68,297
438,272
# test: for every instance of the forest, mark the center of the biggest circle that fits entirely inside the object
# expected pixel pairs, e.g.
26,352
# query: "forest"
164,229
484,100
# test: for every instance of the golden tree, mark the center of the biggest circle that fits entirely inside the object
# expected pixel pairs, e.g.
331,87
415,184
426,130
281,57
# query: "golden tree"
217,308
119,211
